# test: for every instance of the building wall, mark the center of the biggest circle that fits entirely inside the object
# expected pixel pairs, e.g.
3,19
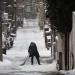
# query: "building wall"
30,9
70,50
60,53
74,37
41,13
72,44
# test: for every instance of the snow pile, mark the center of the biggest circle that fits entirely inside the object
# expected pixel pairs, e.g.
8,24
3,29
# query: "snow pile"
70,72
5,62
45,53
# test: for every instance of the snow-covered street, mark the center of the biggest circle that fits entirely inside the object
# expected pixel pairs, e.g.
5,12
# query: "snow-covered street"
16,55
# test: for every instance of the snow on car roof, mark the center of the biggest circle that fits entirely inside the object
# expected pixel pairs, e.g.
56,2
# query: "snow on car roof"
48,31
46,26
48,37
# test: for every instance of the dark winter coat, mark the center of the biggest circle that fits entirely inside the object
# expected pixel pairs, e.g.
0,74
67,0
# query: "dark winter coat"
33,50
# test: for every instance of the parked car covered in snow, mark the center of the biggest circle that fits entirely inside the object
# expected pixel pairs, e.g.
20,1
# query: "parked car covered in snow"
9,42
49,41
47,34
12,34
47,30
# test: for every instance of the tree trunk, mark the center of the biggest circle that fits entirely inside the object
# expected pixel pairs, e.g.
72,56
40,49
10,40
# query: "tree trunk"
66,51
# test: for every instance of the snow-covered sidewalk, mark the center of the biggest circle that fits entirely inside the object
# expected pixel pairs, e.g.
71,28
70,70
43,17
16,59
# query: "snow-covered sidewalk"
16,55
39,68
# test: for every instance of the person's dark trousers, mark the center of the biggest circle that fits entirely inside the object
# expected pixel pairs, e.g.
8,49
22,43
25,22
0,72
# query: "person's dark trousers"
11,43
37,57
32,60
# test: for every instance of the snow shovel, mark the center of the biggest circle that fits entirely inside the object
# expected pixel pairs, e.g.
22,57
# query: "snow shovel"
24,61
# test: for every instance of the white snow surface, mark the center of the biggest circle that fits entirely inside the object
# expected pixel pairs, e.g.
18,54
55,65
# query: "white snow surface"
40,68
70,72
5,62
29,32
